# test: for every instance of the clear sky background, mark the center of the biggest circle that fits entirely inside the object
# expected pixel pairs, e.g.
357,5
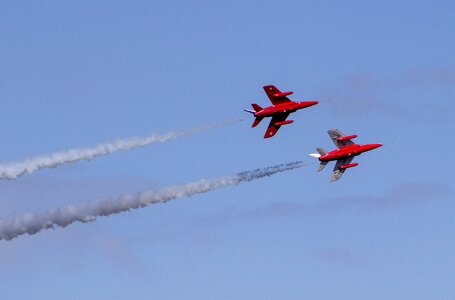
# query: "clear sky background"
76,73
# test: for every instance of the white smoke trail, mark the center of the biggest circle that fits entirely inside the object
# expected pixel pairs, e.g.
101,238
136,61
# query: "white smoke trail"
32,223
15,169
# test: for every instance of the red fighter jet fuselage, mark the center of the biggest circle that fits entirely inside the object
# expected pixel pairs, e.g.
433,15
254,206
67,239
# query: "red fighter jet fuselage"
284,108
279,111
343,156
348,151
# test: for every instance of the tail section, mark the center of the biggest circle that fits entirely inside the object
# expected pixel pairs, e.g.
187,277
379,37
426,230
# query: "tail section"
322,165
321,152
256,107
257,121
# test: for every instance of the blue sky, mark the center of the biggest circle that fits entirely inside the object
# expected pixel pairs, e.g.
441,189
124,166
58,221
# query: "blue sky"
76,73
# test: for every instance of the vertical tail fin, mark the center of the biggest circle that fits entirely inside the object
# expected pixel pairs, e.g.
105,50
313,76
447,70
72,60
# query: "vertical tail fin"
321,151
256,107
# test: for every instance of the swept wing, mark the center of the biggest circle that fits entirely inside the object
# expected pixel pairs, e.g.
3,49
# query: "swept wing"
275,95
337,172
274,124
337,138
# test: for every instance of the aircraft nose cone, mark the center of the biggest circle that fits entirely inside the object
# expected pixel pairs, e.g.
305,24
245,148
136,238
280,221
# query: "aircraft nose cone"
377,145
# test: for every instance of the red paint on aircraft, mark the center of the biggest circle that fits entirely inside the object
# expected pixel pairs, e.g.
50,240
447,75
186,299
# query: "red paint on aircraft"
347,137
347,166
348,151
283,94
284,122
344,155
279,111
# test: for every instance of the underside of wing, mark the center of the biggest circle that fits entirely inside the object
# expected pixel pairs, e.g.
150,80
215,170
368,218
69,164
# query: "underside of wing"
273,127
337,171
275,95
335,135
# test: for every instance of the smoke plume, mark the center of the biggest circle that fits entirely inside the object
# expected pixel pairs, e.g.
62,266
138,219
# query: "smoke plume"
84,212
15,169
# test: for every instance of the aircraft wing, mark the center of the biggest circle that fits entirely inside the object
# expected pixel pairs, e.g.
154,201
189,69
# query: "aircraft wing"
275,95
335,134
273,127
337,172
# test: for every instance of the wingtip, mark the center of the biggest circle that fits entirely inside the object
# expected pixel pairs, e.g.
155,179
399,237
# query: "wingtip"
334,178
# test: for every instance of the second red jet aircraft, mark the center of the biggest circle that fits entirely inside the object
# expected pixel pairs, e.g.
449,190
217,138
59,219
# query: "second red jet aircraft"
346,151
279,111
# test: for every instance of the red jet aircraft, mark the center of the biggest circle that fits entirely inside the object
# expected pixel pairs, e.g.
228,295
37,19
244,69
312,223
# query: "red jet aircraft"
346,151
279,111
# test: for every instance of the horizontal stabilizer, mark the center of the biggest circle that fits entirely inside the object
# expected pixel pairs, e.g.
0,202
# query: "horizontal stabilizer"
321,151
322,165
257,121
